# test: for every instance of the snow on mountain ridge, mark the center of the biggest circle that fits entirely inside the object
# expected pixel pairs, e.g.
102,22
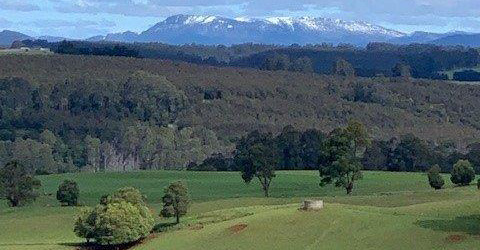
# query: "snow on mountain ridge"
200,19
210,29
309,23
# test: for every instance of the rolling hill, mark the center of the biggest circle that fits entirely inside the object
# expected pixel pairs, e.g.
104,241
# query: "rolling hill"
399,208
7,37
267,100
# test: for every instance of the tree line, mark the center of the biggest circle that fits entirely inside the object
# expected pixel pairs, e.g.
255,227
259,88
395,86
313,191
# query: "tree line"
424,60
309,149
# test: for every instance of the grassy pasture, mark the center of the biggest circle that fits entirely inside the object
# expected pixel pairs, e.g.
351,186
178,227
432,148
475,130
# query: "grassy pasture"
386,211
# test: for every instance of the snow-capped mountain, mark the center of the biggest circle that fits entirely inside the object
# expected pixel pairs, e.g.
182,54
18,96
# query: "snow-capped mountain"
181,29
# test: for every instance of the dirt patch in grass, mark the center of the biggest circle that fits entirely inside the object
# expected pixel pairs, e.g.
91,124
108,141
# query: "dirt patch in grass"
237,228
456,238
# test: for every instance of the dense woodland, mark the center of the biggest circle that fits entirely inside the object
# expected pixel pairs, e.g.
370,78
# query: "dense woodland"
424,61
64,113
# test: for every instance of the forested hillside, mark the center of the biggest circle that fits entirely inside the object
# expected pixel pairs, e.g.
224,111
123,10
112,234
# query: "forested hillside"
117,113
422,60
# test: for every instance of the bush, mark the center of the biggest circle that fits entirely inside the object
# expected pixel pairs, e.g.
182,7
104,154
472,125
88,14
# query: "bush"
128,194
120,218
68,193
478,183
434,178
462,173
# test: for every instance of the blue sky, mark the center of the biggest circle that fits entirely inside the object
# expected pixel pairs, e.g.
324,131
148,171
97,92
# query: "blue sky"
85,18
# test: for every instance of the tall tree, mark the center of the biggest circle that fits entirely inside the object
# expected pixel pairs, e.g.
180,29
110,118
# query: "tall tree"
92,147
434,178
411,154
343,152
258,160
288,143
17,184
175,201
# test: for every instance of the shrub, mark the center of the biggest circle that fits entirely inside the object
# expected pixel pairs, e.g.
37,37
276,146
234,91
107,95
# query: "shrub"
434,178
120,218
462,173
478,183
68,193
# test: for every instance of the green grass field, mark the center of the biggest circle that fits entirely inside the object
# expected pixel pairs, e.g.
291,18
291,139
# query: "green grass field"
386,211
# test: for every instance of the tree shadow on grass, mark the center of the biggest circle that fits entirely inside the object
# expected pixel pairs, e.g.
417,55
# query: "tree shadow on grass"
93,246
163,227
466,224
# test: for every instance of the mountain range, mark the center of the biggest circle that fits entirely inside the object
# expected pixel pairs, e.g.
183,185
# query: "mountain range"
209,30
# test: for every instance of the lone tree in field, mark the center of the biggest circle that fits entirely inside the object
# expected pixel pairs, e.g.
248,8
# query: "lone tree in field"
342,153
462,173
257,158
17,184
68,193
434,178
175,201
120,218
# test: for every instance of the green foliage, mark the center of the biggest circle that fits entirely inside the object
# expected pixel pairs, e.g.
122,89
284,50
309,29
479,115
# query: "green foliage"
401,70
411,154
68,193
343,68
434,178
276,62
175,201
128,194
54,106
85,224
462,173
120,218
256,157
343,151
17,184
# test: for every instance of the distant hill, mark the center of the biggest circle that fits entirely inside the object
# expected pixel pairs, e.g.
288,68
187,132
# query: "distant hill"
53,39
417,37
250,99
471,40
445,39
7,37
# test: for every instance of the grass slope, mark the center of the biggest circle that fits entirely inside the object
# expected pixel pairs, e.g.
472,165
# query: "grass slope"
387,211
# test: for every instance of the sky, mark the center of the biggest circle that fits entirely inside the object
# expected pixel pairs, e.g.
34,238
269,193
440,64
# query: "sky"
86,18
